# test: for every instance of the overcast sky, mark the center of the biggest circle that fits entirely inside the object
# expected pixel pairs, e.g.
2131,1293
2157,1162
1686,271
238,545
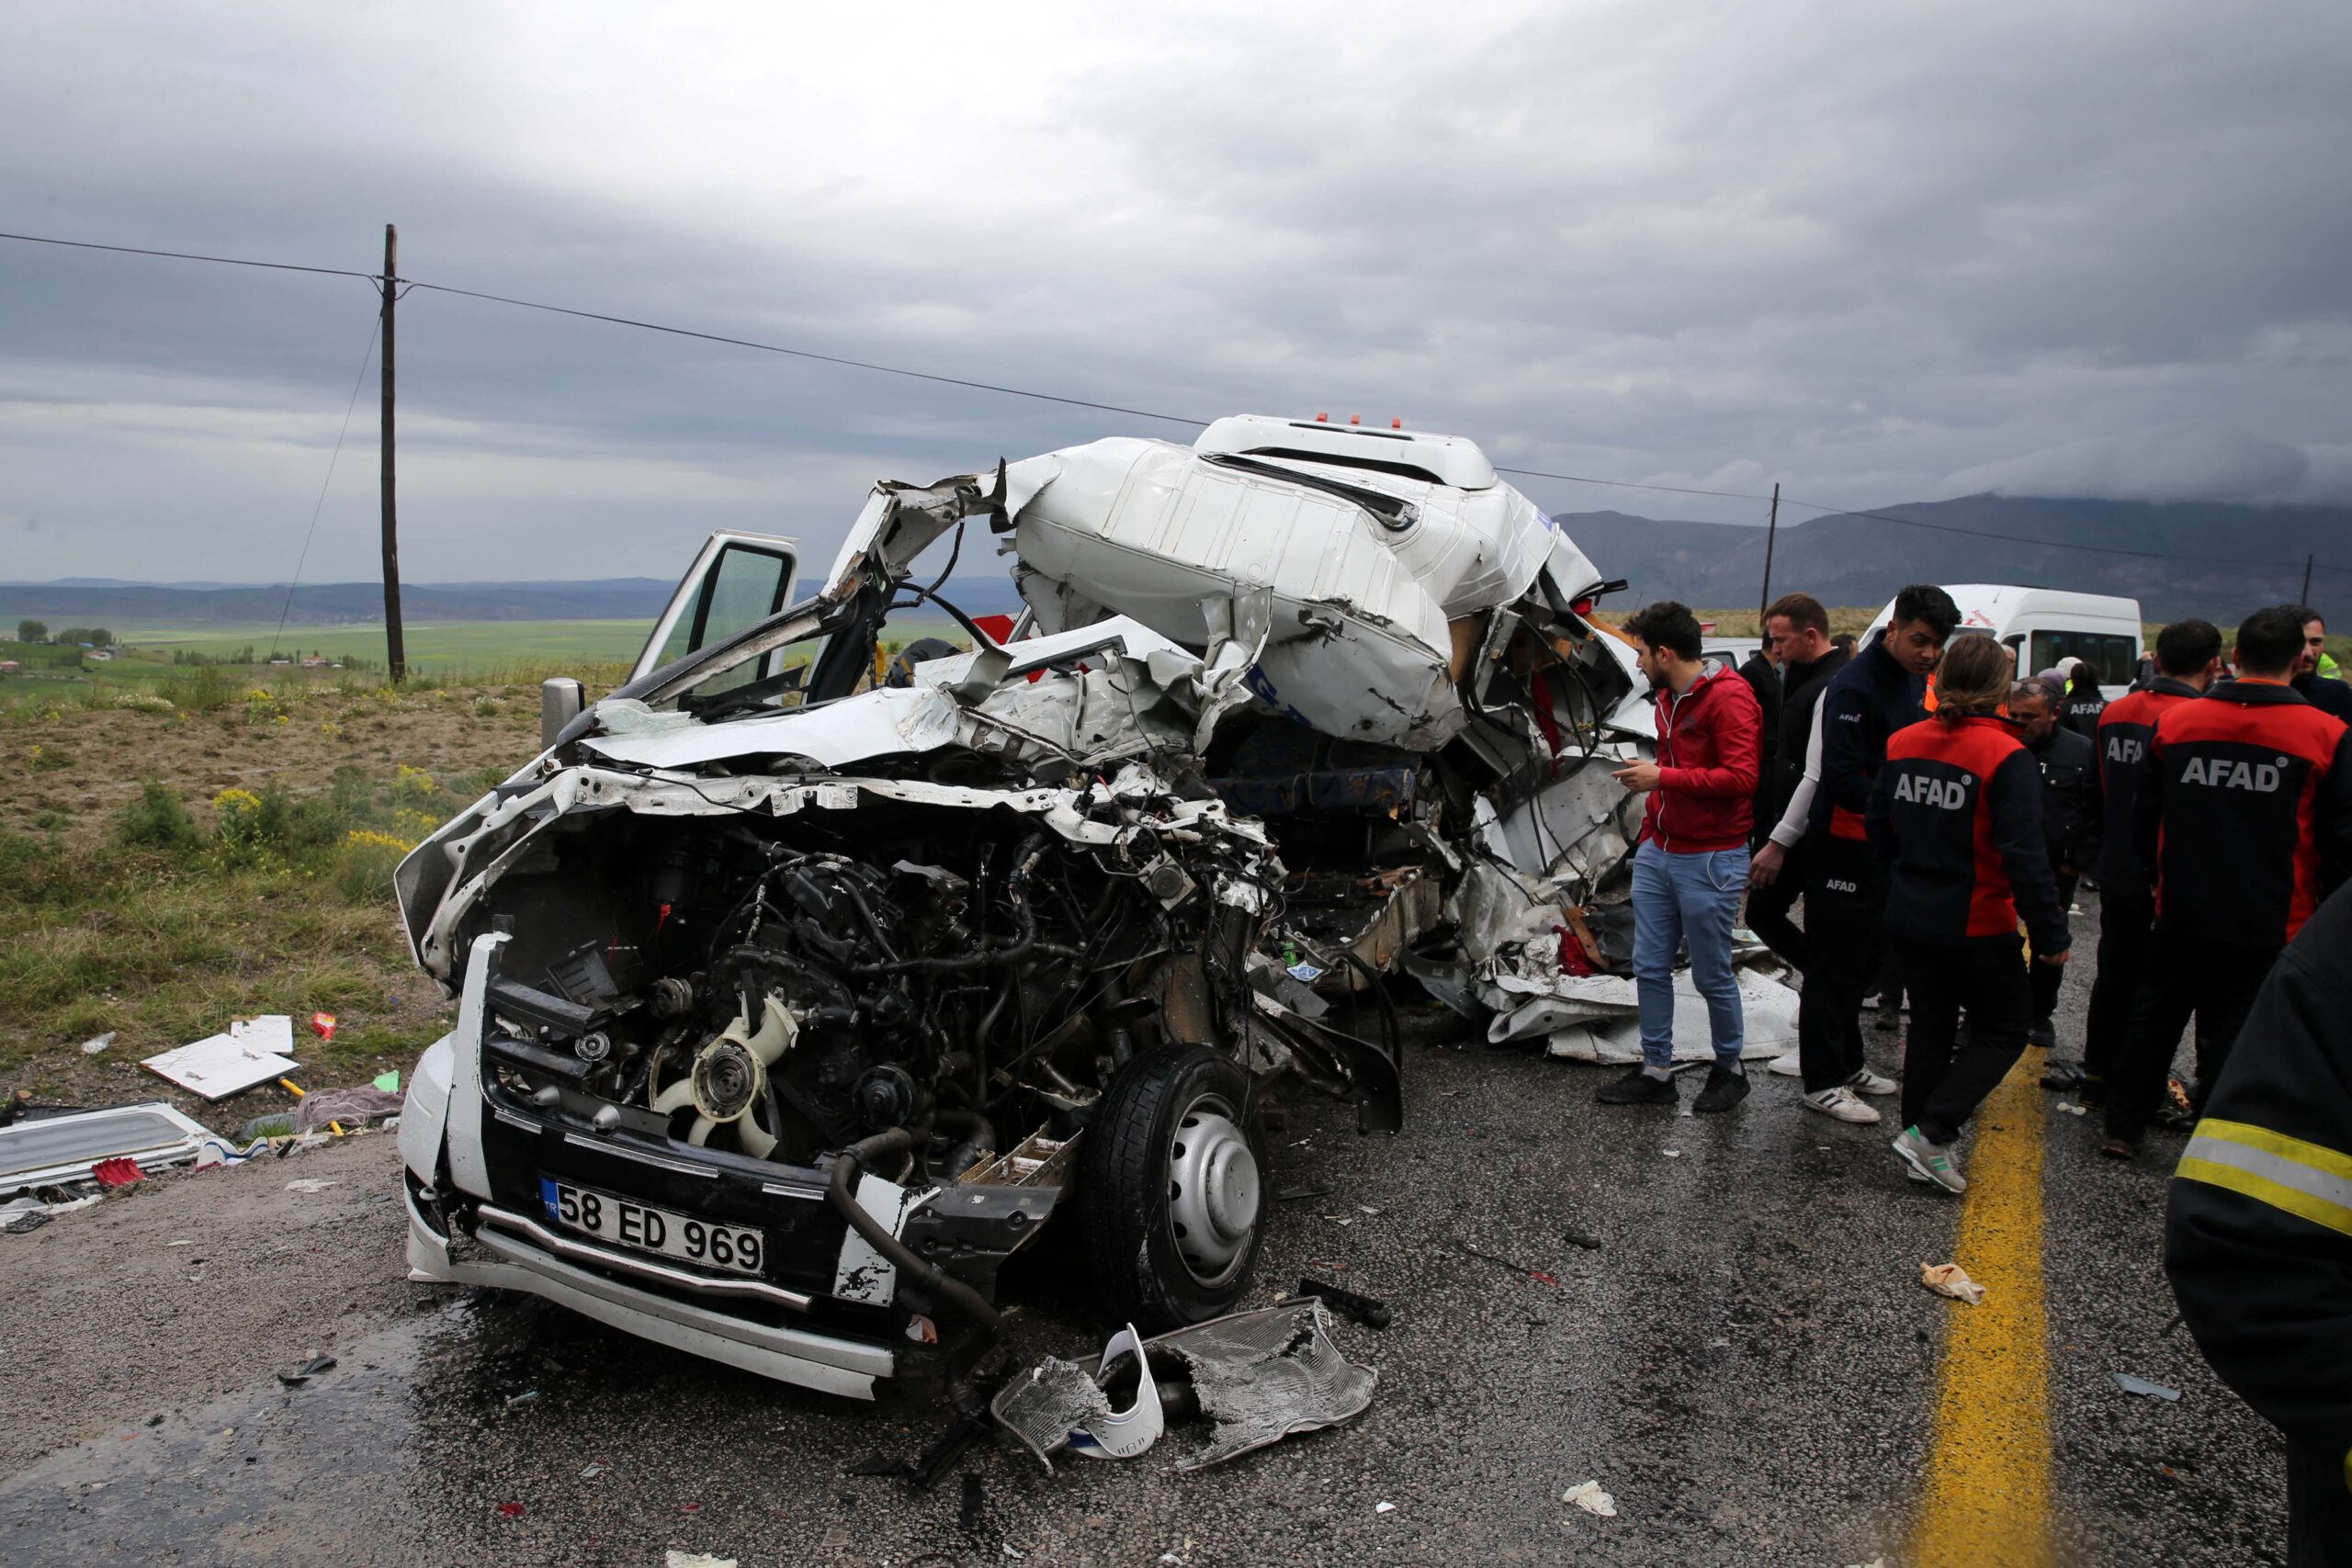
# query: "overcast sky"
1877,254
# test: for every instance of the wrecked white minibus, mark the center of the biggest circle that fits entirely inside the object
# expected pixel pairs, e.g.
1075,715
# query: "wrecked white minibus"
792,1006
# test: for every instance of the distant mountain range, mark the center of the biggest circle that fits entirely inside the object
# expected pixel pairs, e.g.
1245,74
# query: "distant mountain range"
2188,560
1843,558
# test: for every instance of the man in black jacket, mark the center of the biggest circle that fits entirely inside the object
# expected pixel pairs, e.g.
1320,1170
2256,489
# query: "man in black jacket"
2259,1228
2082,702
2070,819
2328,695
1761,671
2245,815
1799,628
1881,691
2188,656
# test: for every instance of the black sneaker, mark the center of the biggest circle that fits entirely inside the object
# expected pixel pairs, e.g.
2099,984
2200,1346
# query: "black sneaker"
2043,1033
1638,1087
1724,1089
2092,1092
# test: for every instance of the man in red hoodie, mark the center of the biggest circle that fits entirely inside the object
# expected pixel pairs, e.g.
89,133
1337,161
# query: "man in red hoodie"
1690,861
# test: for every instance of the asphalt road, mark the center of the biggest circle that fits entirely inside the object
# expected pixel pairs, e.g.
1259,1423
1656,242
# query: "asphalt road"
1748,1363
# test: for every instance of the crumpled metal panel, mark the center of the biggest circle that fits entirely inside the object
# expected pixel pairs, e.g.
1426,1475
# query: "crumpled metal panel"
1262,1376
1043,1409
1359,644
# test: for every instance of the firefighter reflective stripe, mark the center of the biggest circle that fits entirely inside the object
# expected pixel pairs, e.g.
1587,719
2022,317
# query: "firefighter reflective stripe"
2309,1181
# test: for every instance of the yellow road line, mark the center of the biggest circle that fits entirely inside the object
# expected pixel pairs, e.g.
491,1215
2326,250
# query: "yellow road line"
1987,1500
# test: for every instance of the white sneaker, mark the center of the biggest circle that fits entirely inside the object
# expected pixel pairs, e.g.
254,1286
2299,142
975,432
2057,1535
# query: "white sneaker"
1789,1065
1868,1082
1842,1103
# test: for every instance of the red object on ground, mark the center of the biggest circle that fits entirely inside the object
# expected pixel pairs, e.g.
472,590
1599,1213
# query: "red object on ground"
120,1171
511,1510
324,1024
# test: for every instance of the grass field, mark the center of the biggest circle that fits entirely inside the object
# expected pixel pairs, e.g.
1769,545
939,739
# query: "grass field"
439,653
440,646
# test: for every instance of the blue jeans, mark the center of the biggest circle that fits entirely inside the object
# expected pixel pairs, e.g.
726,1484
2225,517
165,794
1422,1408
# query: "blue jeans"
1694,898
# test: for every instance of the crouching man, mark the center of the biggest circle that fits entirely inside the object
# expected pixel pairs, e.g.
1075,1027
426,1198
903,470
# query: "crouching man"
1690,860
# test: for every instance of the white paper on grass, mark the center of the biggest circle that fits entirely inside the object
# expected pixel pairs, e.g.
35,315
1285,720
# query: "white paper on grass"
253,1051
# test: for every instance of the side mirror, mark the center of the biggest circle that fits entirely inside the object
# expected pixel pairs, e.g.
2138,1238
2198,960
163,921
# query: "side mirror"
559,702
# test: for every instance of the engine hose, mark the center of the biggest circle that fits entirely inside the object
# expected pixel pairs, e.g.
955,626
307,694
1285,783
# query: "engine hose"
925,1275
1022,946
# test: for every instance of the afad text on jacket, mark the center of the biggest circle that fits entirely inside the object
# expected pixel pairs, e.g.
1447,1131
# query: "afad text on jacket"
1956,814
2244,812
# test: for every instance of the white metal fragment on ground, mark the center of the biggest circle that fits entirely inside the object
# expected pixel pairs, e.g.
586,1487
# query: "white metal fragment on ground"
1952,1279
1589,1496
309,1184
1383,1508
676,1559
2131,1384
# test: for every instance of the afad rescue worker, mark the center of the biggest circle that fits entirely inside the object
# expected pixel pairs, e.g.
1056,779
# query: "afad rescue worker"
2259,1228
2188,656
1884,690
1799,628
2084,701
1690,860
2070,819
2245,814
1956,819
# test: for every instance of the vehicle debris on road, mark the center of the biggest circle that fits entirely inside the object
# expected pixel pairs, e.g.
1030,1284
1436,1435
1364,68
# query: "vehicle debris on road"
2131,1385
250,1051
62,1150
1258,1376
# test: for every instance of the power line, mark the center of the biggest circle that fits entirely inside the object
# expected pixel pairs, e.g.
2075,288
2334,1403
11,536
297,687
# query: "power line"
185,255
1147,413
358,382
809,354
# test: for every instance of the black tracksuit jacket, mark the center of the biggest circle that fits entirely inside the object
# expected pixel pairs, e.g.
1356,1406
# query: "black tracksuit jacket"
2244,813
1801,686
2124,731
1867,702
2070,798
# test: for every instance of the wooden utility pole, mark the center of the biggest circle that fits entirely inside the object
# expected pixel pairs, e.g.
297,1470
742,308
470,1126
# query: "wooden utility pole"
2307,581
1771,533
396,653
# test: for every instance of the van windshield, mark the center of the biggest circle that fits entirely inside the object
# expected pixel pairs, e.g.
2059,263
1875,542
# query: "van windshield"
2113,654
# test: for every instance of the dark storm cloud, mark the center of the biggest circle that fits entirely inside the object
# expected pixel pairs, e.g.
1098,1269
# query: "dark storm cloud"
1876,255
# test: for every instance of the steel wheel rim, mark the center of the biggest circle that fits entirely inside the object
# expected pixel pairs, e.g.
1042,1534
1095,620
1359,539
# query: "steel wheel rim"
1215,1192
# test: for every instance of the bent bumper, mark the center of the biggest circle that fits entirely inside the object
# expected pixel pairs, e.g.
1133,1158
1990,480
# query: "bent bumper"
789,1355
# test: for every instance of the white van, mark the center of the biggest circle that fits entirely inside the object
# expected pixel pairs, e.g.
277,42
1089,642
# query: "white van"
2043,625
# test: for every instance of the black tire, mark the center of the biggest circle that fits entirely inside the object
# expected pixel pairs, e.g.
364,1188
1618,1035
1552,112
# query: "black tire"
1146,1272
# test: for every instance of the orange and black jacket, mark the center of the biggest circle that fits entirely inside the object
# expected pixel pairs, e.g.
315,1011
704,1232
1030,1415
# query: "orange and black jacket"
2124,731
2244,813
2259,1224
1956,814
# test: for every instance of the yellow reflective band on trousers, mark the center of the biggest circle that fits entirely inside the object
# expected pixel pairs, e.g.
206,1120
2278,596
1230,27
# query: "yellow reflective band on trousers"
2309,1181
